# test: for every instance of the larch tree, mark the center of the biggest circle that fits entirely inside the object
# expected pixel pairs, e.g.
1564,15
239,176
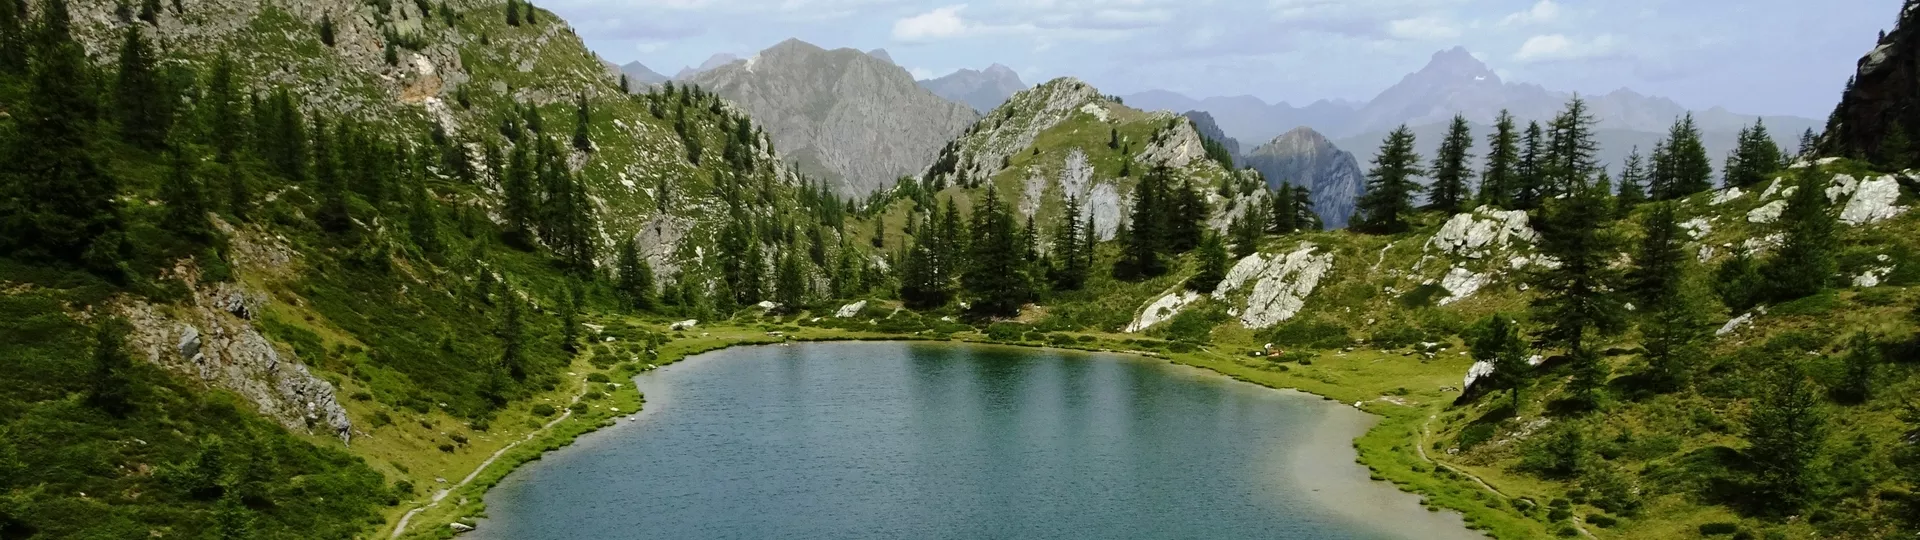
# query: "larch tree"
1498,179
1579,300
1529,179
1449,192
1387,207
1633,182
1680,164
1807,260
1785,429
1754,157
1498,342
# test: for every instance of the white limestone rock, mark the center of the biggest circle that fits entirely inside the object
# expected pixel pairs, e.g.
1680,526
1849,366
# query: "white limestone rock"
1767,213
1247,268
683,325
1472,233
1460,284
1480,370
850,310
1283,286
1162,309
1697,227
1726,195
1103,203
1842,186
1737,322
1873,200
1872,277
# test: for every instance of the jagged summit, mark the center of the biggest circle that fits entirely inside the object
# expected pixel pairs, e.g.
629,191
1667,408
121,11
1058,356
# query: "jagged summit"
983,90
1305,157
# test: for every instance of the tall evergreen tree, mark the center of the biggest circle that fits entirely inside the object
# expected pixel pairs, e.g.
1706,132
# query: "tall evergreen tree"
1785,429
1662,251
581,118
1283,217
1246,231
224,126
1571,158
422,225
520,204
513,15
1449,193
283,136
1660,280
58,202
790,283
329,187
111,387
1579,299
1498,180
13,37
1186,215
1303,210
570,317
920,285
1858,373
996,281
1530,184
1070,264
1387,206
1754,157
1498,343
1146,233
186,201
635,282
1212,256
1809,145
1680,164
1633,182
1807,260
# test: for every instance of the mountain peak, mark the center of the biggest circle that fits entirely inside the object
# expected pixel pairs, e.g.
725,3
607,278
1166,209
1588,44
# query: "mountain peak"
1001,71
1458,63
881,54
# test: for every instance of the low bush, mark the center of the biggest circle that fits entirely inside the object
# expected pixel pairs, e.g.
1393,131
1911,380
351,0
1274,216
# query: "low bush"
543,409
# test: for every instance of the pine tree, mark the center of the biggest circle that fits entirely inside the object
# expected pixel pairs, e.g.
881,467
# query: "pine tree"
1303,210
1530,185
1212,256
581,118
513,16
1785,430
1662,281
1809,144
326,29
636,278
996,281
1284,218
1680,164
570,317
283,136
1186,218
1246,231
329,187
422,225
520,204
1806,261
1895,151
1498,343
626,85
1754,157
111,388
1570,159
1449,193
13,37
1858,371
56,201
186,202
1388,204
1497,181
223,110
1633,182
920,286
1662,251
790,283
239,196
1579,299
142,100
1146,238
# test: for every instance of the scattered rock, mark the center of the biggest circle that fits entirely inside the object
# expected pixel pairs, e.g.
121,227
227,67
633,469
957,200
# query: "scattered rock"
1480,369
459,527
850,310
1697,227
1470,233
1768,213
1737,322
1723,196
1873,200
1284,285
683,325
1872,277
1460,284
1162,309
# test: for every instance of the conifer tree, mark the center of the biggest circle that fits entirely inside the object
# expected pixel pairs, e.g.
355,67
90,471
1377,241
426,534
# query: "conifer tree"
570,317
1530,186
1633,182
239,196
1246,231
1449,193
1579,299
996,281
636,278
1807,260
111,387
1146,238
1498,179
1809,144
1662,250
1212,256
329,187
283,136
422,225
1660,280
1680,164
1285,216
580,120
223,110
626,85
1895,151
790,283
142,100
1186,218
1859,368
13,38
1303,210
1754,157
1069,268
1387,206
513,17
186,201
920,286
56,201
326,29
1570,160
1785,430
1498,342
520,205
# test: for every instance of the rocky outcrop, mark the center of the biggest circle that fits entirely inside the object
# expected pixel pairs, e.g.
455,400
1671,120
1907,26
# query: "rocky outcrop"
850,310
1474,234
1882,97
983,90
1177,146
841,115
212,339
1281,285
1872,201
1014,126
1161,309
1210,129
1304,157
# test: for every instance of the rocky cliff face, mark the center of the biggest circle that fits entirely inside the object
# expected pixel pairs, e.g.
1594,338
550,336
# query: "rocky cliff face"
982,90
841,115
1304,157
1884,93
1204,123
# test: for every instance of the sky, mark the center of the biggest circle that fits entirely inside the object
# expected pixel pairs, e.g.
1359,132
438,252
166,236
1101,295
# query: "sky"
1750,56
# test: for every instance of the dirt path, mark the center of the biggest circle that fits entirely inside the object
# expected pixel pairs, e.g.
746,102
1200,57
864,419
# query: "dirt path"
1426,431
401,527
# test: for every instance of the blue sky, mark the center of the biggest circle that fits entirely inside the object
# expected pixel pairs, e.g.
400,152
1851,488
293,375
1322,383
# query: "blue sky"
1751,56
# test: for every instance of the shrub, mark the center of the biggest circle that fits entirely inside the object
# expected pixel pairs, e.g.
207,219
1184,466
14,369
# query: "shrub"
1602,520
543,409
597,377
1005,331
1311,332
1397,334
1476,434
1423,296
593,395
578,408
446,447
458,438
1559,514
1717,528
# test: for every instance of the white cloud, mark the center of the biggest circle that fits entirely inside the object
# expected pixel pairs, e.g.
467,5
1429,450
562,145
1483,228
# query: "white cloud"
1554,47
941,23
1425,28
1543,12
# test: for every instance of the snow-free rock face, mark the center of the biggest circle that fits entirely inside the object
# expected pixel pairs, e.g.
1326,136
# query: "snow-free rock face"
1461,283
1282,286
213,340
1303,157
850,310
1479,370
1176,147
1884,93
1873,200
983,90
1014,126
1767,213
1474,234
1204,123
841,114
1161,309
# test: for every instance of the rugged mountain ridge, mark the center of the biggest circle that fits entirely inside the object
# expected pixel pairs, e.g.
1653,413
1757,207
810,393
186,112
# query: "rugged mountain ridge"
1878,112
1304,157
983,90
836,114
1204,123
